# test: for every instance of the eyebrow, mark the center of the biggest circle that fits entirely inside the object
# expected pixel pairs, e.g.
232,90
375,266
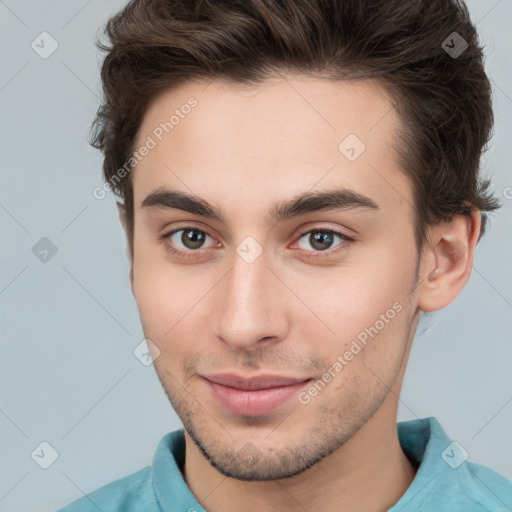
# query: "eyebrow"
337,199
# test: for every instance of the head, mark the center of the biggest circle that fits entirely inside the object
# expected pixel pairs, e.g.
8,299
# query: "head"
244,107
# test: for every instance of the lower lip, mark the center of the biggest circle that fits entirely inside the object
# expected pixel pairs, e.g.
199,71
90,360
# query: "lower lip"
254,403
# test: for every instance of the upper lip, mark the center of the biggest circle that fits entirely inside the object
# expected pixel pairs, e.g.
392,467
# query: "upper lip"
253,383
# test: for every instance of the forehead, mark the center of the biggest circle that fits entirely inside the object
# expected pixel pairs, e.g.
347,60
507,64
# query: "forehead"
277,138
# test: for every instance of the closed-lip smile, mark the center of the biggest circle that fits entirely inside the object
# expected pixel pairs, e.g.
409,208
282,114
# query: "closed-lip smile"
255,395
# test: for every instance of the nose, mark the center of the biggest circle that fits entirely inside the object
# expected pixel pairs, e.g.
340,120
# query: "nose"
250,306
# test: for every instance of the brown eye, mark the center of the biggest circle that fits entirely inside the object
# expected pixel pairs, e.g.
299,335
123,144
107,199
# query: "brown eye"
186,241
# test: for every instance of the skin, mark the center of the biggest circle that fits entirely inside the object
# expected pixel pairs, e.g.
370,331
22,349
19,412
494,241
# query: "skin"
242,149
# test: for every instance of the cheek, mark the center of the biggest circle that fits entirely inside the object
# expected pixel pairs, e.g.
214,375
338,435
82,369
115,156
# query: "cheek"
154,291
351,300
360,309
168,296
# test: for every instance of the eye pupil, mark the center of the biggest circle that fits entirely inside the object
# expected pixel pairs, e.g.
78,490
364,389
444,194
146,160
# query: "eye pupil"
319,238
192,238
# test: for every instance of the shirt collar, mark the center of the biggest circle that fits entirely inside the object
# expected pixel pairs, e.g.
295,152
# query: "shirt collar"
422,440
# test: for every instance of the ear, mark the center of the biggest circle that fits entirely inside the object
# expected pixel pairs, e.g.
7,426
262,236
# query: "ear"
122,217
448,260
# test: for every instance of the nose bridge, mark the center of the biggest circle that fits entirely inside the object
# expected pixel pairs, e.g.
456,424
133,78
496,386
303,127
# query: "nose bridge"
251,307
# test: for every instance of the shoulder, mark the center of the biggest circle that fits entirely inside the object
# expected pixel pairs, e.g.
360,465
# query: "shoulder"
446,480
471,487
485,487
128,494
144,489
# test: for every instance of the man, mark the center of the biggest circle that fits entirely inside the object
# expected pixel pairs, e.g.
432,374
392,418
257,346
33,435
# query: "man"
300,184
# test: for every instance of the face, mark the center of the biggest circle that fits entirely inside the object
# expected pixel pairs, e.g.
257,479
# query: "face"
280,323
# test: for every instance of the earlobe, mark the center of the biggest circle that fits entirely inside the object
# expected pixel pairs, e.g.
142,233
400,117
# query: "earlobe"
451,248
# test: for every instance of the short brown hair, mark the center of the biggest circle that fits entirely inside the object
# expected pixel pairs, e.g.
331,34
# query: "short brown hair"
444,101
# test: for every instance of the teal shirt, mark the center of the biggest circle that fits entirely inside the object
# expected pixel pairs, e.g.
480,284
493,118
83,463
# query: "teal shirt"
445,480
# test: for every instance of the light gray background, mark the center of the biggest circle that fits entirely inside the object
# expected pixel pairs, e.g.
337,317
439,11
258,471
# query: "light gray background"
69,326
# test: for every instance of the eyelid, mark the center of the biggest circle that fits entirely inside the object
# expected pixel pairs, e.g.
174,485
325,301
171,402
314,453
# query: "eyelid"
186,225
169,234
346,240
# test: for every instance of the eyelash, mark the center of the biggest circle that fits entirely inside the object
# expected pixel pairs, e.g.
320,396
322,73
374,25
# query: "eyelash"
346,240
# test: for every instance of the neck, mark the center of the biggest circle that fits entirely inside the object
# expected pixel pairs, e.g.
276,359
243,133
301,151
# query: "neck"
369,472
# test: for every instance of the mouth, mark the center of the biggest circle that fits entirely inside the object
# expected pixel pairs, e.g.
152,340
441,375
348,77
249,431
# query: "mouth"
253,396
